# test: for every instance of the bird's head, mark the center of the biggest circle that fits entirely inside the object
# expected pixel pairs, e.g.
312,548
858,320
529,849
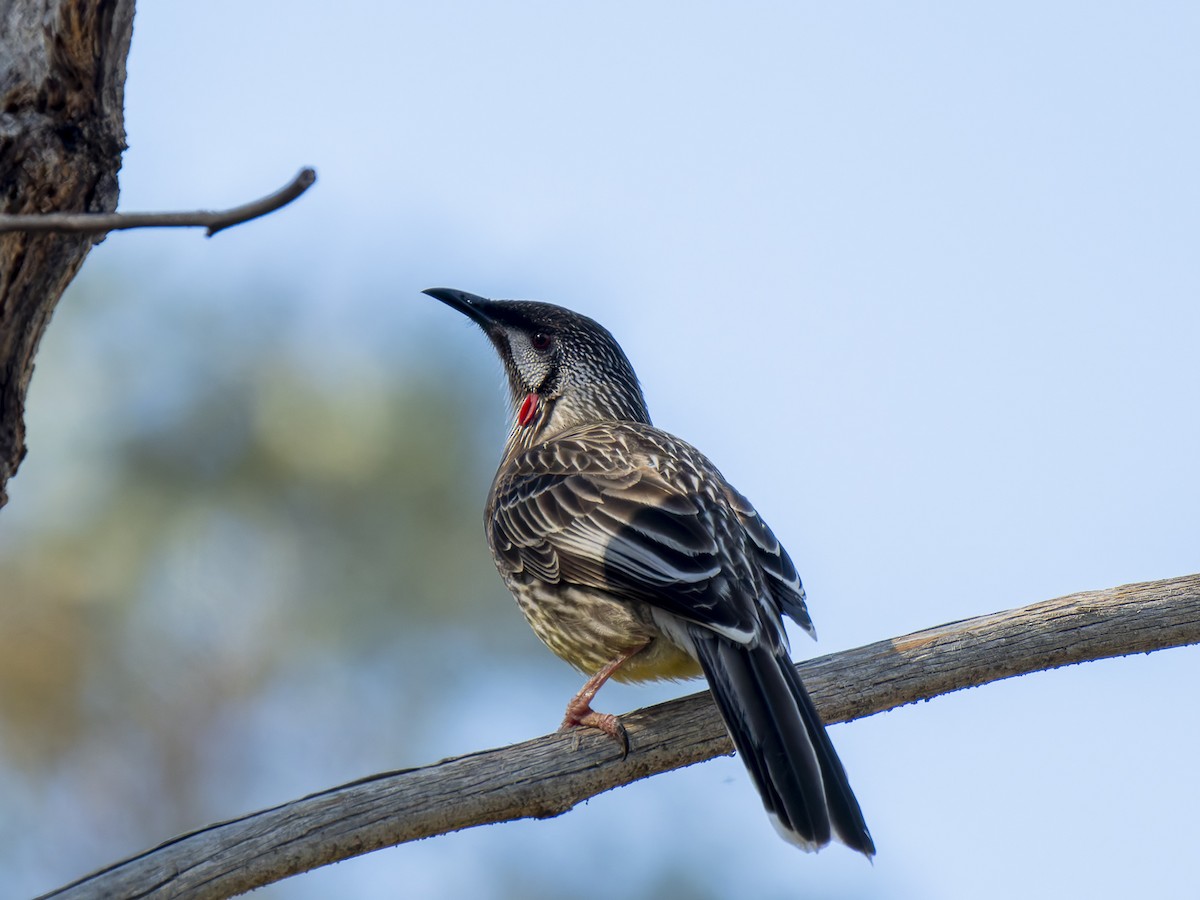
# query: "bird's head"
563,368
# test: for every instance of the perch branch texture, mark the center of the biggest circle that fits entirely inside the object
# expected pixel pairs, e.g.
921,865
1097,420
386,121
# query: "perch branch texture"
547,776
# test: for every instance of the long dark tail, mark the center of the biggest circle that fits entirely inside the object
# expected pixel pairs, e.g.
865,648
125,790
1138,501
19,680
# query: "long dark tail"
783,743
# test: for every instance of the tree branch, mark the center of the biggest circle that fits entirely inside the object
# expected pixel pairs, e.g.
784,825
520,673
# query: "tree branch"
547,776
214,221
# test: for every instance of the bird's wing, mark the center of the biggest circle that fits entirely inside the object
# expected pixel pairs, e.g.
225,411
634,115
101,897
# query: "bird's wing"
783,581
600,514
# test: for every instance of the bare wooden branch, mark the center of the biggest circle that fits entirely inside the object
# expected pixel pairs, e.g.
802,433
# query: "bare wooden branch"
214,221
549,775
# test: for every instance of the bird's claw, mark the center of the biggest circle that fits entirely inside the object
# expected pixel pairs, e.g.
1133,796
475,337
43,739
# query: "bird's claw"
605,722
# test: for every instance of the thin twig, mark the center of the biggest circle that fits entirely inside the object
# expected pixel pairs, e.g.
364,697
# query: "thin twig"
213,220
547,776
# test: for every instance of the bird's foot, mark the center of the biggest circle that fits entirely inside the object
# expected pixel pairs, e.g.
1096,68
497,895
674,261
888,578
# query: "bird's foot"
579,712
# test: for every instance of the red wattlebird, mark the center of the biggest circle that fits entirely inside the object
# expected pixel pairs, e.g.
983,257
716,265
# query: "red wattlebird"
634,559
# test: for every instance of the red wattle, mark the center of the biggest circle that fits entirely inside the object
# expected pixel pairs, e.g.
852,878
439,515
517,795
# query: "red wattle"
528,409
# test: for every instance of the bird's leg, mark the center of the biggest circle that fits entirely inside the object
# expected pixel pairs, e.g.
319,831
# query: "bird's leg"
580,712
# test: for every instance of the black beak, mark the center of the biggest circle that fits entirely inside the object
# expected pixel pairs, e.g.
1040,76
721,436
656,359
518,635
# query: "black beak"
470,305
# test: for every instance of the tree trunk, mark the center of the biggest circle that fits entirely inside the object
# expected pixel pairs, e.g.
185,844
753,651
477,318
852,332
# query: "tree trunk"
62,132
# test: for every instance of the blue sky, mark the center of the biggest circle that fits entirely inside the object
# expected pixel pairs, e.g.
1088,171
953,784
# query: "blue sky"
921,278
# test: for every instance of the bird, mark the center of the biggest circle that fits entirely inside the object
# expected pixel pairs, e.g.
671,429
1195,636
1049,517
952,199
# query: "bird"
632,558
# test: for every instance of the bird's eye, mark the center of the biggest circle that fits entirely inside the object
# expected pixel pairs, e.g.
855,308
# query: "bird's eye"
541,341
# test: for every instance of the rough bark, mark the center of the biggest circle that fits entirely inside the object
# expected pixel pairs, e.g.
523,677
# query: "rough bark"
62,133
549,775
